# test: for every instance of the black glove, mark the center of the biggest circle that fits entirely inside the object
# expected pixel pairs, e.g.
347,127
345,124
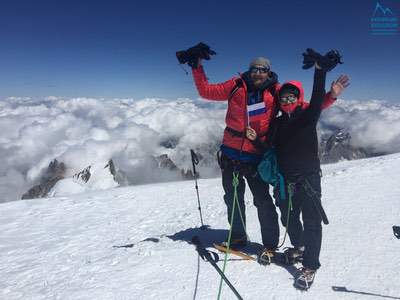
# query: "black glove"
191,56
327,62
310,57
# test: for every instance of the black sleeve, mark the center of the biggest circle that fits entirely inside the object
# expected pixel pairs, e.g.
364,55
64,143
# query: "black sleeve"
312,113
318,92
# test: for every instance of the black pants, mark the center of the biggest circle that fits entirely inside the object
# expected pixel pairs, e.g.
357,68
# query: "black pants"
308,234
267,214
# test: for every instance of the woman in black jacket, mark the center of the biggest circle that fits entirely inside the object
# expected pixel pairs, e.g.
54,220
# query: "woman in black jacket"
293,134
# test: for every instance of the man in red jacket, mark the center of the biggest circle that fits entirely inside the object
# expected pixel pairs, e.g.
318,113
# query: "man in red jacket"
250,104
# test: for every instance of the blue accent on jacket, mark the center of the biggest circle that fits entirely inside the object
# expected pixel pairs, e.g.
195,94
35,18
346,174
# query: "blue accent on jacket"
245,157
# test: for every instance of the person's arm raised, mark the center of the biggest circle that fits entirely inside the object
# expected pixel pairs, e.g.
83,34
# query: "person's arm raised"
323,64
318,92
218,91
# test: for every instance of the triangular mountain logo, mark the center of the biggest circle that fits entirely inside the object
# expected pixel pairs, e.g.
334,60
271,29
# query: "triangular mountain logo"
381,10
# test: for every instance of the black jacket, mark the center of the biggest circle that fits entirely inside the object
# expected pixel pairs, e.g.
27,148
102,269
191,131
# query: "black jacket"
295,137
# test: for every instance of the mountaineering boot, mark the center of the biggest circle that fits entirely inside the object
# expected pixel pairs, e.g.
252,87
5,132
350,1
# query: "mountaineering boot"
293,254
266,256
304,279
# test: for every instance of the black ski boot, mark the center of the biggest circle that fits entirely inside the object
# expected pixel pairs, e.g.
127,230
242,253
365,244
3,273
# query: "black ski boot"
304,279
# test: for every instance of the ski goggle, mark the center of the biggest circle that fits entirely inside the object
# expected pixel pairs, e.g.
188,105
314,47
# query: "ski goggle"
261,70
288,99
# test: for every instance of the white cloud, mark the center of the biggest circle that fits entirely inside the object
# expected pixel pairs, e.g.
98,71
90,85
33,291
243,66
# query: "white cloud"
372,124
83,131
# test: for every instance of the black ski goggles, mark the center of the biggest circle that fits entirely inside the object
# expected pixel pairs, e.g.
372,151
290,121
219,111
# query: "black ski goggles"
261,70
288,99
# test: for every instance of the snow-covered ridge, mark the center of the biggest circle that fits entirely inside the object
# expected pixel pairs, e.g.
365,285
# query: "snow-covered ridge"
63,248
84,131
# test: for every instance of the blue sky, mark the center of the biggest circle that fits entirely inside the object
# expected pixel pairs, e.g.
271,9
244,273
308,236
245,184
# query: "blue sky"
127,48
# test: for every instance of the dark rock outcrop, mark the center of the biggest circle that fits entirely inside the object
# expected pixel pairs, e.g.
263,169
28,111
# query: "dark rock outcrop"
83,176
54,173
164,162
337,147
119,176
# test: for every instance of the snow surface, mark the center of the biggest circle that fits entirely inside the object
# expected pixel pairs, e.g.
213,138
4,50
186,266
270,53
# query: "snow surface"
100,179
62,248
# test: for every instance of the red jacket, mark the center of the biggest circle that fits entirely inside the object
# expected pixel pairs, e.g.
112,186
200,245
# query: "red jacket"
237,116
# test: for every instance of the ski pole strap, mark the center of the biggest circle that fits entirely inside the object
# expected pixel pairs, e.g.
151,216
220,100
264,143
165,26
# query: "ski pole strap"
195,161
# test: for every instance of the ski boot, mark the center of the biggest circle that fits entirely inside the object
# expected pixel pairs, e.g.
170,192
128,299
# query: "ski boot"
304,279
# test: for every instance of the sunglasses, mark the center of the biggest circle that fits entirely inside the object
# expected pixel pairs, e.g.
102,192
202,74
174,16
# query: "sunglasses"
288,99
259,70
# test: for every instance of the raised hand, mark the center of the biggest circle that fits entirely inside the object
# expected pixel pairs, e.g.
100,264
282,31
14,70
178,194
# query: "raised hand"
339,85
325,62
310,58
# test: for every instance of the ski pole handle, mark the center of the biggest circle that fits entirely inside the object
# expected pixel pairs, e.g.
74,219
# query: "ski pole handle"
195,161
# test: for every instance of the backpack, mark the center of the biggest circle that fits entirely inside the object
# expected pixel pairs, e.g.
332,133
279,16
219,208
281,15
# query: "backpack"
269,172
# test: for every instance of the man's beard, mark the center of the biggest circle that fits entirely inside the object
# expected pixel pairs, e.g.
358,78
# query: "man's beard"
257,83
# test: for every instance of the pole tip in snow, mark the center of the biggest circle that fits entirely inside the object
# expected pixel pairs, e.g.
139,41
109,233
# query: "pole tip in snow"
396,231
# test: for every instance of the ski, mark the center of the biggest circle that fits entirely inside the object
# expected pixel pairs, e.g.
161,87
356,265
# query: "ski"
234,252
276,258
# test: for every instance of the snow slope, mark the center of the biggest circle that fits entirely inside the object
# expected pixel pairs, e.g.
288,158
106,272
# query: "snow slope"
62,248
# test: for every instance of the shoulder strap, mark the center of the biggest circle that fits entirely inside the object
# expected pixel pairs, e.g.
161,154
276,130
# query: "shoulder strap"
272,90
238,85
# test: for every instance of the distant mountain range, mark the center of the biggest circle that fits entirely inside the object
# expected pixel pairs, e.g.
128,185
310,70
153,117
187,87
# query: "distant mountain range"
333,148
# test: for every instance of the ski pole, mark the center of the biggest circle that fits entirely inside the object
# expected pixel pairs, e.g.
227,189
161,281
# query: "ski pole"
204,254
195,161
